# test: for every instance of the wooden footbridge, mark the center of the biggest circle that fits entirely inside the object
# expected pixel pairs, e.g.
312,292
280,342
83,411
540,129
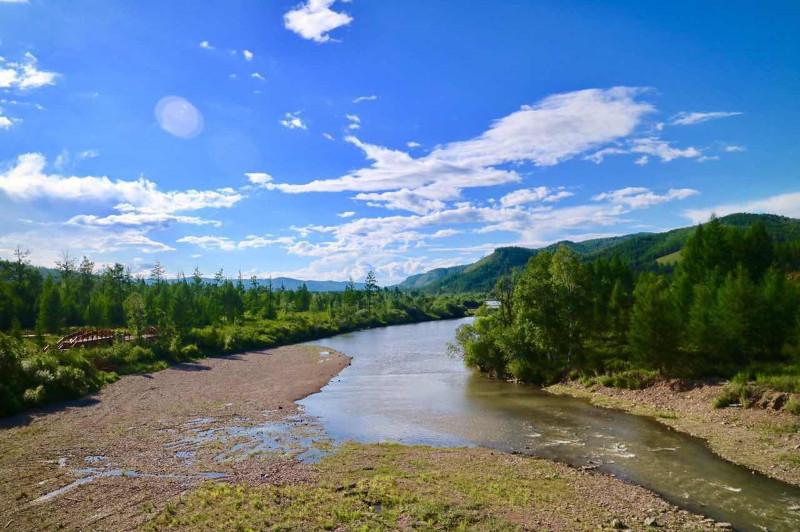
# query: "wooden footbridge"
96,337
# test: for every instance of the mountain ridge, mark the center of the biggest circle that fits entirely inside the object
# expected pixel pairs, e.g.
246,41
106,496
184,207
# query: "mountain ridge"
642,250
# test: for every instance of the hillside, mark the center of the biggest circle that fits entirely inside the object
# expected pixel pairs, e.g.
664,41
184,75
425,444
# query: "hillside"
641,250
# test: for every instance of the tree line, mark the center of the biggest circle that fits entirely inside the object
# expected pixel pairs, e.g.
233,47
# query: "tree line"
193,316
79,295
732,300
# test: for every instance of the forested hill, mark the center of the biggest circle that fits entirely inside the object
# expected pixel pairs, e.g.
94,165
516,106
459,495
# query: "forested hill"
641,250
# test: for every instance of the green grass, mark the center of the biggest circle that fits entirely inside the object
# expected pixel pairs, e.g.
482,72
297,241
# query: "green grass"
388,486
631,379
669,259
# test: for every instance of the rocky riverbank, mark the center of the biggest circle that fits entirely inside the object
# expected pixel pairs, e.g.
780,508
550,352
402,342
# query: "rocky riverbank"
113,460
761,439
220,444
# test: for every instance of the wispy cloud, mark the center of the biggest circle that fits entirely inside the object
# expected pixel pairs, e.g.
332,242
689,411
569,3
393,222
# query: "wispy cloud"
532,195
355,121
206,45
369,98
734,148
688,119
544,134
24,74
640,197
225,243
248,55
259,76
293,121
646,146
314,19
346,214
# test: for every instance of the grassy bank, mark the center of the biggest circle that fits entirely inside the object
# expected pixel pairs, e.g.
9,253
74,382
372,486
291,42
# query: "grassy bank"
390,487
32,377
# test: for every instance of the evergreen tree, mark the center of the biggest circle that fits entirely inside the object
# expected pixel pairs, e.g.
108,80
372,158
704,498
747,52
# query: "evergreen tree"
654,331
50,317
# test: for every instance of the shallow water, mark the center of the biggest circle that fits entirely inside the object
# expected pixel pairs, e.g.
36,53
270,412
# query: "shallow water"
402,386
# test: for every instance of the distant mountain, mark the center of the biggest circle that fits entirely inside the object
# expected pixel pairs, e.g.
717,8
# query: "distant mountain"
315,286
287,283
641,250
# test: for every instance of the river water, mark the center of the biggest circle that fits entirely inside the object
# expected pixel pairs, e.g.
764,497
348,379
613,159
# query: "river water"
402,386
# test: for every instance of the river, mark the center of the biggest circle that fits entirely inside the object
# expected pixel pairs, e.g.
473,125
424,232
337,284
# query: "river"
403,386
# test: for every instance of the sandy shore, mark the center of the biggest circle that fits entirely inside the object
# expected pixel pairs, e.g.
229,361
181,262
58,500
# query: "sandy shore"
763,440
148,438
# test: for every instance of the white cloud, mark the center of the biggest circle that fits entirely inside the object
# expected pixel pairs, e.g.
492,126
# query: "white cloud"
209,242
27,180
647,146
248,55
224,243
46,245
385,242
355,121
787,204
553,130
258,76
6,123
688,119
25,74
134,219
328,136
531,195
640,197
734,148
370,98
314,19
293,121
258,178
662,149
412,144
346,214
206,45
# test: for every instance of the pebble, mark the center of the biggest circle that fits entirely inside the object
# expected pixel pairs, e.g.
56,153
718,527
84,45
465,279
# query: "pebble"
651,521
724,526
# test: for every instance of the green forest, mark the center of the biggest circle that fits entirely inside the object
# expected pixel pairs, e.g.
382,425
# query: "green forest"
193,317
730,307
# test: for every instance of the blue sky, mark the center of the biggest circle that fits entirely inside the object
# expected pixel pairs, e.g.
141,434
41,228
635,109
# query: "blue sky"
319,139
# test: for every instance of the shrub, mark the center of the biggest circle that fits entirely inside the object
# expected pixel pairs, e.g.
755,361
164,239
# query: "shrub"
632,379
190,351
793,406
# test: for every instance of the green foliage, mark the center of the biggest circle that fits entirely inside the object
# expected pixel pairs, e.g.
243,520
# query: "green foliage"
632,379
641,251
195,318
732,301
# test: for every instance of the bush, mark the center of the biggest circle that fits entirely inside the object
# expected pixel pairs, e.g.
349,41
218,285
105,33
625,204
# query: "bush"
737,393
793,406
190,352
632,379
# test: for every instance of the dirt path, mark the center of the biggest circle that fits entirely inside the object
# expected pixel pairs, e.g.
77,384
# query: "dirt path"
120,455
763,440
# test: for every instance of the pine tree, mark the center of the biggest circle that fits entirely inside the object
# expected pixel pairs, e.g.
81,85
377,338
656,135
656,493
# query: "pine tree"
50,317
654,331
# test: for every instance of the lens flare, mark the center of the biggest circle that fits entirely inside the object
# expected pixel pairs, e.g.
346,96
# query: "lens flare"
179,117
